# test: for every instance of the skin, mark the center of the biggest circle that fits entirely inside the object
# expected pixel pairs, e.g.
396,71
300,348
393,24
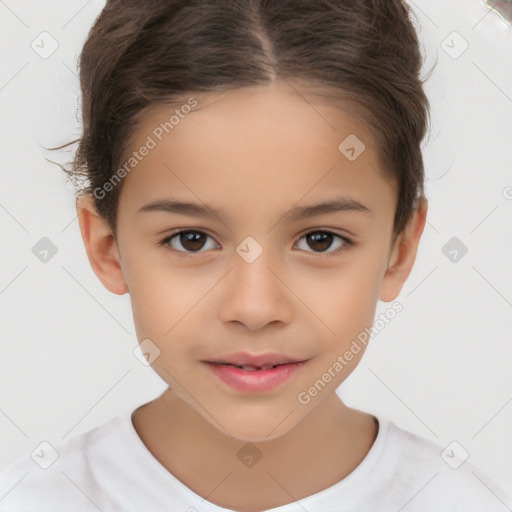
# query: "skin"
254,152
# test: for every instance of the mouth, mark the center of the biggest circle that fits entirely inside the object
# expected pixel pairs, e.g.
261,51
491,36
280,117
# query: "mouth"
255,378
251,367
250,362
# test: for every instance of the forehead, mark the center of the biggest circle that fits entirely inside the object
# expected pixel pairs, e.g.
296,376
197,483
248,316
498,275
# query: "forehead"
247,147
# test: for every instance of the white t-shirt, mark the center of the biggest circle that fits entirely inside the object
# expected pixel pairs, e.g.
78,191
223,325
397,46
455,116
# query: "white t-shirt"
110,469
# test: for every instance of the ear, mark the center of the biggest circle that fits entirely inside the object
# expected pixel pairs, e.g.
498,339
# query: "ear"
100,245
403,254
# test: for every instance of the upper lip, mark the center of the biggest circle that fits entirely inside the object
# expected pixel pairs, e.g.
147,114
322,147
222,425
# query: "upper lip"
244,358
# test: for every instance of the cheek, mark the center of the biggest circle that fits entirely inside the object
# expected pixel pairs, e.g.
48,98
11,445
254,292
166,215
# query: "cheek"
156,304
160,314
160,295
345,299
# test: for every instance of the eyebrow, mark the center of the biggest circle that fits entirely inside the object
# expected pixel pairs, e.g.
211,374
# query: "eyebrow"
338,204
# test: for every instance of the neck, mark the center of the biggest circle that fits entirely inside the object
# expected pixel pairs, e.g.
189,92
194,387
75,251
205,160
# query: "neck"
329,443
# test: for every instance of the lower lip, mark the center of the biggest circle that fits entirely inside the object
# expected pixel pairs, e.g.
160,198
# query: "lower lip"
255,381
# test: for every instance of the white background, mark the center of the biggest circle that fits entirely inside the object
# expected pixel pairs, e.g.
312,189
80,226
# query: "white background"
440,369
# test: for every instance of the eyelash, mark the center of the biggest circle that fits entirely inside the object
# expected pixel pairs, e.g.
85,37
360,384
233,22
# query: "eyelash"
347,243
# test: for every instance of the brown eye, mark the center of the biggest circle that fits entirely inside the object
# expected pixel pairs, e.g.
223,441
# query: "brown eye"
320,241
191,240
188,241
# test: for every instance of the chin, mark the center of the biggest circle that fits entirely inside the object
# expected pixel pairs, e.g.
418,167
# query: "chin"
260,426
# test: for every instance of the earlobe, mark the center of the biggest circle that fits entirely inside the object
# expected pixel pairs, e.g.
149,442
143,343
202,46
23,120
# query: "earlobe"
100,245
403,254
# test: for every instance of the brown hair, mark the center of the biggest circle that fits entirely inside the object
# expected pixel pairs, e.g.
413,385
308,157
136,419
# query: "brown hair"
362,53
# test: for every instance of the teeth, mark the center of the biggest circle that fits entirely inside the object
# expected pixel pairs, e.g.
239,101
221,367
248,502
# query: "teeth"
249,367
252,368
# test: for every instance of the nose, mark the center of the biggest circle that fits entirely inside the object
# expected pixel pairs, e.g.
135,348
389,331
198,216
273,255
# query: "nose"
254,294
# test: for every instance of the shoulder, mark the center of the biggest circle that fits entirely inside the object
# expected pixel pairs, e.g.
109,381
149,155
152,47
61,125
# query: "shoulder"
437,476
60,473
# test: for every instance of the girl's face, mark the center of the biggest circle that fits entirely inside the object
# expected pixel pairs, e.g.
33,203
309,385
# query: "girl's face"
250,279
